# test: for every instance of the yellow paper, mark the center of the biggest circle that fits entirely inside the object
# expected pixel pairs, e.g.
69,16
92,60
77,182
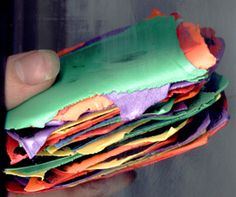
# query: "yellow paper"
38,174
60,153
64,129
99,145
158,138
51,150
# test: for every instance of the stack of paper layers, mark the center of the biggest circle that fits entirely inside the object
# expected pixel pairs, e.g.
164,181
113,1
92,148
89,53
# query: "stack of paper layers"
123,100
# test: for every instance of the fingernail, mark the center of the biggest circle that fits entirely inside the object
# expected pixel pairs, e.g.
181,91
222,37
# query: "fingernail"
37,67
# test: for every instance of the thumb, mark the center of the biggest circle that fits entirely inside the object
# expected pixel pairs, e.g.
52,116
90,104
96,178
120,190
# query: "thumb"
29,73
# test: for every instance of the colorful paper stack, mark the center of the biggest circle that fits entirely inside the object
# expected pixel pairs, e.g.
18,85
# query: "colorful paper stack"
126,99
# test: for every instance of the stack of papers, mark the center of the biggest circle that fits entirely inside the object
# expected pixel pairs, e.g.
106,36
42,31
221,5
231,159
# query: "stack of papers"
123,100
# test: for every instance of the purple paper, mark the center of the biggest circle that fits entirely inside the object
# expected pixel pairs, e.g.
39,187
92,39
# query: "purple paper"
55,123
182,84
34,143
21,180
218,56
180,107
224,118
135,104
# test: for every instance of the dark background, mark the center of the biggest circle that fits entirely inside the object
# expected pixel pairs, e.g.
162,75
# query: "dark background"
56,24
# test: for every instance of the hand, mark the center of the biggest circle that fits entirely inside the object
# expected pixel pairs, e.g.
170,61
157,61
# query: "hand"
30,73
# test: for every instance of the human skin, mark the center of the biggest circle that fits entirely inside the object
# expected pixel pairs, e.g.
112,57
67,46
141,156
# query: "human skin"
30,73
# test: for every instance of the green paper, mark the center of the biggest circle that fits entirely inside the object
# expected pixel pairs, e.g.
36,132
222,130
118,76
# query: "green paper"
147,55
44,167
166,107
199,103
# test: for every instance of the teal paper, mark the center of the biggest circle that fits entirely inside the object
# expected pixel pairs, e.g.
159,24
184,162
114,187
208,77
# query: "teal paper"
147,55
